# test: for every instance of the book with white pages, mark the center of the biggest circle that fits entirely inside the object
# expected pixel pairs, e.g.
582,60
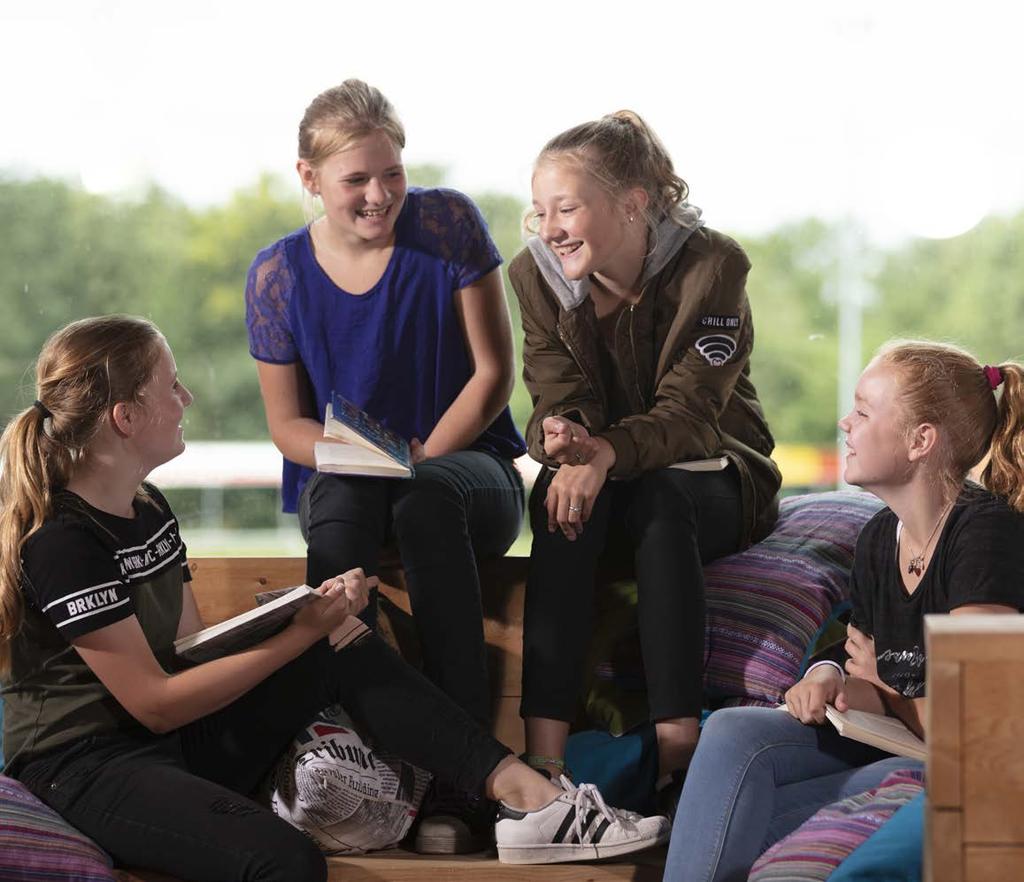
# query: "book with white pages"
885,733
357,444
713,464
244,630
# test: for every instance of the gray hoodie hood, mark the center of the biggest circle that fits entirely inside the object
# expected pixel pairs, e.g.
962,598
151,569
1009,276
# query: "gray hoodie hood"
669,237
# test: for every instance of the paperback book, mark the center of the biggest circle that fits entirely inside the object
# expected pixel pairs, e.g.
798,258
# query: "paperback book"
244,630
358,444
886,733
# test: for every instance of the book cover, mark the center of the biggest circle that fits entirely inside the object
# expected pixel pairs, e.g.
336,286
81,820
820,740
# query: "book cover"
244,630
886,733
368,448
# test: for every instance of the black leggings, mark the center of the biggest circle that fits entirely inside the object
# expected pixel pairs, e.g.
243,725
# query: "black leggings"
674,521
179,804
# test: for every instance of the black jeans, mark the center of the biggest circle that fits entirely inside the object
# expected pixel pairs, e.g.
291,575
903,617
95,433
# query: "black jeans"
458,507
179,804
674,521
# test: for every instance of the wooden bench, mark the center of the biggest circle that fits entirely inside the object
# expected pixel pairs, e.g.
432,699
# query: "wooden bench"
975,816
225,586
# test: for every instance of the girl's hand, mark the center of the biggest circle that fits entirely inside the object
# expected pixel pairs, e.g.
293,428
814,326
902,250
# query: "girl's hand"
807,698
862,662
571,495
417,452
567,442
340,597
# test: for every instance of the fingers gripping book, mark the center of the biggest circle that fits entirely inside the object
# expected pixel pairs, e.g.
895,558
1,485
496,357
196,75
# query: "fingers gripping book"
358,444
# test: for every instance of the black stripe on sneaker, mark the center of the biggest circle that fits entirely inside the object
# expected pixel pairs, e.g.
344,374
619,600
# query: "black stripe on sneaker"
599,832
570,816
584,827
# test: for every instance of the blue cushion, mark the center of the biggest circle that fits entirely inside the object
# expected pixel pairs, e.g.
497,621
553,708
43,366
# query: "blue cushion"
893,853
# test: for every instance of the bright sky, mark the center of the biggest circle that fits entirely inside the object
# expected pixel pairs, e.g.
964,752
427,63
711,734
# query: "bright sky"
906,115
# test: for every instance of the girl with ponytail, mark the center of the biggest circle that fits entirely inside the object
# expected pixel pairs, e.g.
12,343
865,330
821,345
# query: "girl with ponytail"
925,415
638,335
151,757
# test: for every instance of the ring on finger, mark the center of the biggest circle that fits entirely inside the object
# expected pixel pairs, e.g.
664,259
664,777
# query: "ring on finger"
579,458
576,509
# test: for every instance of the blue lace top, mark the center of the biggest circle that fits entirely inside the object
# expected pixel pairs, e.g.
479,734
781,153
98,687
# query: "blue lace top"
398,351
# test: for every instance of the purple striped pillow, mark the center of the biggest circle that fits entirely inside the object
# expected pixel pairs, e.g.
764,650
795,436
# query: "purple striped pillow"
827,838
37,845
767,606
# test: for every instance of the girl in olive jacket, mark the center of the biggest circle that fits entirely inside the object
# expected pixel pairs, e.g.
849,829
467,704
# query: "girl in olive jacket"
637,348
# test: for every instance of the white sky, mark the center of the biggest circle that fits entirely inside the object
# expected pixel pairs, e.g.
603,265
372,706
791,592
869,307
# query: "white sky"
904,114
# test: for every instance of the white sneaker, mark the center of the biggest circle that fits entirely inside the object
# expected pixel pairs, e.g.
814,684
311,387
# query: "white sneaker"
575,826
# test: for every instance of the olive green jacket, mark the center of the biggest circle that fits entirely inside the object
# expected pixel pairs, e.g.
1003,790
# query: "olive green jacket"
684,352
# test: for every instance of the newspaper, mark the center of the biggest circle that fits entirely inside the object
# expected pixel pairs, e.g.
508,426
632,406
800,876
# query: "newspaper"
347,796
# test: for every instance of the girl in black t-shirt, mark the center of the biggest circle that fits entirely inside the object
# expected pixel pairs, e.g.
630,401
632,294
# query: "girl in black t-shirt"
924,415
153,759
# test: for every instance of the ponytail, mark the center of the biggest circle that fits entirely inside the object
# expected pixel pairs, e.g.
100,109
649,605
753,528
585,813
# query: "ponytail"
82,371
30,467
1004,474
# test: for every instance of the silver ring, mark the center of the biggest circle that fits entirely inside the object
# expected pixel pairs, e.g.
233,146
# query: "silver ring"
579,457
576,508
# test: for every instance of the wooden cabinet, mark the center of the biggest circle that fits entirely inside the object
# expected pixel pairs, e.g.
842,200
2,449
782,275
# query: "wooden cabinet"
975,822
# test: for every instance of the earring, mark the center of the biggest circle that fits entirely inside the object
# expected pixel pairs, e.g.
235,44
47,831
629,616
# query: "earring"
631,218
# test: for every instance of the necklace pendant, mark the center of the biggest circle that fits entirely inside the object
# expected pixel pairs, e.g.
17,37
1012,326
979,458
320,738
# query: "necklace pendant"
916,565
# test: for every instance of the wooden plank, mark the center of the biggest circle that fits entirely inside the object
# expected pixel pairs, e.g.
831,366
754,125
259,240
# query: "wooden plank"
226,586
943,854
994,863
976,637
993,764
398,865
944,723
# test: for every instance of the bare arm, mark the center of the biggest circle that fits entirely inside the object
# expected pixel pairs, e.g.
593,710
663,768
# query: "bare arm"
190,620
120,656
483,314
289,409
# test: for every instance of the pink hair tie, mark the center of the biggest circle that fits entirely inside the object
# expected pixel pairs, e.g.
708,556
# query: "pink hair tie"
993,375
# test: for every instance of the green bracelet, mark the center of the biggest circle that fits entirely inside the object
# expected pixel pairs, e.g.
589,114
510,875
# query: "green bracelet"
538,762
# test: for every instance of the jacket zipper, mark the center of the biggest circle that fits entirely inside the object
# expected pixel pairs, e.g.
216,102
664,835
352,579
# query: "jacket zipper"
632,346
579,363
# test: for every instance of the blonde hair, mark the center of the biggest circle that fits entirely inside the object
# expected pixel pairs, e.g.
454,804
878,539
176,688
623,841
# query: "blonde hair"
82,371
946,386
621,152
343,114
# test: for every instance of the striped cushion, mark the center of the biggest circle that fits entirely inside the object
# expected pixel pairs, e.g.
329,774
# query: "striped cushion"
768,605
824,840
766,608
37,845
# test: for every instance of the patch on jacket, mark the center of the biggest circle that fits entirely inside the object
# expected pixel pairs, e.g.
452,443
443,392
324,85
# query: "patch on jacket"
729,322
716,348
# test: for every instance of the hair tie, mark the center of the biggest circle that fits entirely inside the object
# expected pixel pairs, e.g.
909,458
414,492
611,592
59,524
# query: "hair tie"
993,375
43,409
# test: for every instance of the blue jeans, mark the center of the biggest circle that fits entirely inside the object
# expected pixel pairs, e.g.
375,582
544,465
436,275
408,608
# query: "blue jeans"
757,775
458,507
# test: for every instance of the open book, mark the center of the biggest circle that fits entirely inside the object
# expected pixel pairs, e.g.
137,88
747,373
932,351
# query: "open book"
363,446
244,630
886,733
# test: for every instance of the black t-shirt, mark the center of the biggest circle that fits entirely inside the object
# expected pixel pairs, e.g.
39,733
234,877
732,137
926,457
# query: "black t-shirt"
979,558
82,570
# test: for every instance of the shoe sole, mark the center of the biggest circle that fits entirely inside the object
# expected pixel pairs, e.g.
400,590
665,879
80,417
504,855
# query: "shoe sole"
556,853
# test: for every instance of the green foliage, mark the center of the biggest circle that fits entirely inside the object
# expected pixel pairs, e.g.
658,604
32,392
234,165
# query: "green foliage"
65,253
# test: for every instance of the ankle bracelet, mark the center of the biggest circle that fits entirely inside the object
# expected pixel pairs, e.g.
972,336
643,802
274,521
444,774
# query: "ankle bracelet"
537,763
